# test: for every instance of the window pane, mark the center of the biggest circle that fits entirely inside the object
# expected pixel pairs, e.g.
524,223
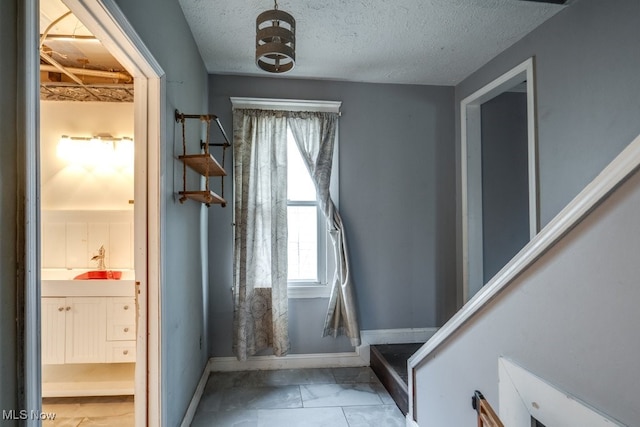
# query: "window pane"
303,243
300,185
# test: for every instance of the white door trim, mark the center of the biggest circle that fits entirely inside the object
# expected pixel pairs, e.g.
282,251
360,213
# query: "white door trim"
471,170
107,22
27,113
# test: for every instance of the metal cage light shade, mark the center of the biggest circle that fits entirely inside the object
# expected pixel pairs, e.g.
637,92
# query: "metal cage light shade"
275,41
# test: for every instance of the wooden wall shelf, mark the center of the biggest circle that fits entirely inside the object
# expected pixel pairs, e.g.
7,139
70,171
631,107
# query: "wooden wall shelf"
200,162
206,197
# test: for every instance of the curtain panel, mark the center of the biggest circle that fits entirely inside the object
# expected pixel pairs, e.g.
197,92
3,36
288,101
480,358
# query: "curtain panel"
315,134
260,247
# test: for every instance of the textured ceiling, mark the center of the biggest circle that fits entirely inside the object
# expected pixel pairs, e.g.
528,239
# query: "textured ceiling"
438,42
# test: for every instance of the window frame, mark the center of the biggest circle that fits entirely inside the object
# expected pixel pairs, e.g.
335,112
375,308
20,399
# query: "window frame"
326,260
321,233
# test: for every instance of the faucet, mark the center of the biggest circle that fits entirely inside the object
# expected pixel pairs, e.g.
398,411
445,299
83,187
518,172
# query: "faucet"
100,258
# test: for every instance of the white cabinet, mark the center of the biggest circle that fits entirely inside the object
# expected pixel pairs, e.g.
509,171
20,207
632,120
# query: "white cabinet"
88,330
121,351
74,330
85,326
53,330
121,330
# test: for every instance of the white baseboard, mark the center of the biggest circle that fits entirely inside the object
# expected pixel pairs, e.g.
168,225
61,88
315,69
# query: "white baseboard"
410,422
291,361
197,395
360,357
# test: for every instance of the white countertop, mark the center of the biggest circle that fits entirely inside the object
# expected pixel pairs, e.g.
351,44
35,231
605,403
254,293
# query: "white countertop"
60,283
88,288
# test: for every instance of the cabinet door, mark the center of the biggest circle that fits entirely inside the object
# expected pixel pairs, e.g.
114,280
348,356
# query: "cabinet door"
121,319
121,351
53,330
86,330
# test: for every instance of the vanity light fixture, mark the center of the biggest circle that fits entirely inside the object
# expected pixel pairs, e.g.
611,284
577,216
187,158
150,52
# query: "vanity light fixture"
101,150
275,41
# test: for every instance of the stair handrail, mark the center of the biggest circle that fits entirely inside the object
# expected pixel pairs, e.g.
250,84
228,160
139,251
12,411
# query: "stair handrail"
486,415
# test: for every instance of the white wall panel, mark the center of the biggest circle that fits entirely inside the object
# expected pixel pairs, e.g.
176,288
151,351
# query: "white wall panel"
77,255
71,238
54,245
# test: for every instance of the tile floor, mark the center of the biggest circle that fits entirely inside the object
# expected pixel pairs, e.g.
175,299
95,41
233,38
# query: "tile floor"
89,411
340,397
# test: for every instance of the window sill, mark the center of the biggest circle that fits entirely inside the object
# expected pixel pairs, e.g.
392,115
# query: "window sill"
309,291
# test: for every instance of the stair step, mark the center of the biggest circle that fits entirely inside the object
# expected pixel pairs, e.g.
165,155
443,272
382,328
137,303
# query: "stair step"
389,363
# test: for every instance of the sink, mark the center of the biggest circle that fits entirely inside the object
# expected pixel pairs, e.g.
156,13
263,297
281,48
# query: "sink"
99,275
62,274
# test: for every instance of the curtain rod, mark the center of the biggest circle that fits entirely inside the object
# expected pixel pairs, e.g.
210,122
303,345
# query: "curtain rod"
287,104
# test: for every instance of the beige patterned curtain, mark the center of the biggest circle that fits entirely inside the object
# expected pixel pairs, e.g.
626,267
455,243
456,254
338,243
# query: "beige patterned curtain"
315,136
260,255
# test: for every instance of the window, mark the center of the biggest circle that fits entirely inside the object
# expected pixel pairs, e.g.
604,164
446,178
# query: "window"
310,254
303,219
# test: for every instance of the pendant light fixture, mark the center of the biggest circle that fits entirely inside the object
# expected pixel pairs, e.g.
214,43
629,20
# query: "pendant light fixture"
275,41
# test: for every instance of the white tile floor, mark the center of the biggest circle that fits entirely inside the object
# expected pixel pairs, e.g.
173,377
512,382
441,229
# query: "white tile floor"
340,397
90,411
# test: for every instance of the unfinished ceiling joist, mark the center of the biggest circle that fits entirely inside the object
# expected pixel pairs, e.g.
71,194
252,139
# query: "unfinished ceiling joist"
115,75
70,92
76,67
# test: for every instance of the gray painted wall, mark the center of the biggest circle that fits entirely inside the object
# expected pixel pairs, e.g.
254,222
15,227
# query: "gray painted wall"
570,319
8,213
396,199
505,180
163,29
586,62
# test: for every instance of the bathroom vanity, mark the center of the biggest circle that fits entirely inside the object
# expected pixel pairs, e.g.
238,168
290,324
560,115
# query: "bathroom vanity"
88,326
89,336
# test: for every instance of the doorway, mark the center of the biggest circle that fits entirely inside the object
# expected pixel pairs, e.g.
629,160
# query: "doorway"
499,175
104,20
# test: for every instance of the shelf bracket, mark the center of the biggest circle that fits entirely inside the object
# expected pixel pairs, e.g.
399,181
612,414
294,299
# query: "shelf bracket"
202,163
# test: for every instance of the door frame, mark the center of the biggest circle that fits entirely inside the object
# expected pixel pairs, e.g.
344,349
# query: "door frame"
107,22
471,170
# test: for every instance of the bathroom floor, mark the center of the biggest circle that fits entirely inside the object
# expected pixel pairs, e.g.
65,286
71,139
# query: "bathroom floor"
339,397
89,411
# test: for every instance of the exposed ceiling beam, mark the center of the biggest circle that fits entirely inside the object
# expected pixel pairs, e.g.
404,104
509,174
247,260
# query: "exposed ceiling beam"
72,76
86,72
44,35
70,37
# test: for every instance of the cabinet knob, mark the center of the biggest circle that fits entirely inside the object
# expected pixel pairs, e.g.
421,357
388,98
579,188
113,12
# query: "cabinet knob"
60,308
126,307
68,308
126,329
125,352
